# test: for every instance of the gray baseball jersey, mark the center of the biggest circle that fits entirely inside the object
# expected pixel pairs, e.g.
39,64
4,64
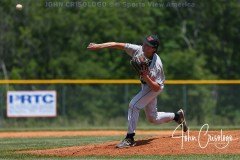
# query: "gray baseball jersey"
156,66
147,98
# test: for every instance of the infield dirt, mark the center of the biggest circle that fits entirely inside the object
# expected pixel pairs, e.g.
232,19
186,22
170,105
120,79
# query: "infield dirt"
157,143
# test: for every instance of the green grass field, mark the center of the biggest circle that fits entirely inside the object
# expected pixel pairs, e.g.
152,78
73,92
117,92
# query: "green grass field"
8,146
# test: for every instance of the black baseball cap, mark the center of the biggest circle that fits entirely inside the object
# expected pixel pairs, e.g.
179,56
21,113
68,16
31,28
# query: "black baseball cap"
152,40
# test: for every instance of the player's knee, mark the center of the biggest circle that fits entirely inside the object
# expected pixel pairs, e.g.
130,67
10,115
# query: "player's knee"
131,104
151,119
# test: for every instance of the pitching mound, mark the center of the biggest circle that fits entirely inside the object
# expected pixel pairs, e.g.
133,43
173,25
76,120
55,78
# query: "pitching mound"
194,142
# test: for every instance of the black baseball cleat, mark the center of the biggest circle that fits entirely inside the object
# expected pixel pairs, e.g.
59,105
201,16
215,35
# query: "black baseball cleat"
127,142
181,120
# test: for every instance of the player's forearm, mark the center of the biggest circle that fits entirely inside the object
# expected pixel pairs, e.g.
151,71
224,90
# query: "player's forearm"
152,84
106,45
115,45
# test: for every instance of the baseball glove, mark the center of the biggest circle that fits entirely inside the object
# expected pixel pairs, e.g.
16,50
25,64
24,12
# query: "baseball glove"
140,63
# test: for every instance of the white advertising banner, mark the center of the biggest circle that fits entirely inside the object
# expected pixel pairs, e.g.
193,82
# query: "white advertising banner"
31,103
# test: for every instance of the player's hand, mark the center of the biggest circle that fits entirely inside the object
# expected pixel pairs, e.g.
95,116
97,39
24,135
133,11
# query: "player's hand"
144,72
93,46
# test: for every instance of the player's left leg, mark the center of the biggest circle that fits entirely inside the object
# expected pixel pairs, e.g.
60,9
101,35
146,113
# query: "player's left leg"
137,103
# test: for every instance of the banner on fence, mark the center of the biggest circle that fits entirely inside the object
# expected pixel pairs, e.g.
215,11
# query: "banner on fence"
31,103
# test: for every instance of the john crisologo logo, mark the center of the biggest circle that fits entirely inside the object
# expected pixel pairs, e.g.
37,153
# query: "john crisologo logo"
205,137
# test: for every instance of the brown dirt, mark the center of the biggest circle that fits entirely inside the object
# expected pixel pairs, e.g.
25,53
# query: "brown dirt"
35,134
160,144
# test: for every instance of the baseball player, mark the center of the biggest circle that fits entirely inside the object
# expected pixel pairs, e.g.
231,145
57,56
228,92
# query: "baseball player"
150,68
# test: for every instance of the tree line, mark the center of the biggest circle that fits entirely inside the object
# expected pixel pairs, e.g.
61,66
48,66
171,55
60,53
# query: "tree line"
198,41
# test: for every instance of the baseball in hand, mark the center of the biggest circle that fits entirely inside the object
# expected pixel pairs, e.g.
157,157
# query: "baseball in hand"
19,7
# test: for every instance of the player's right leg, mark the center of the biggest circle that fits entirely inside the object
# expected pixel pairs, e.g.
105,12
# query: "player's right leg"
156,117
163,117
181,120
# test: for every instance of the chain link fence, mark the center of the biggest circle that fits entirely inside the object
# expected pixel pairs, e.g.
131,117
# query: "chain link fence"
107,104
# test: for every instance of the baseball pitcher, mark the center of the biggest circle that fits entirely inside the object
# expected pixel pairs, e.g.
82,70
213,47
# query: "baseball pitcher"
149,66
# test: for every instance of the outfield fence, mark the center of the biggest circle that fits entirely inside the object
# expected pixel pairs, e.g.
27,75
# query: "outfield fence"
114,81
105,102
